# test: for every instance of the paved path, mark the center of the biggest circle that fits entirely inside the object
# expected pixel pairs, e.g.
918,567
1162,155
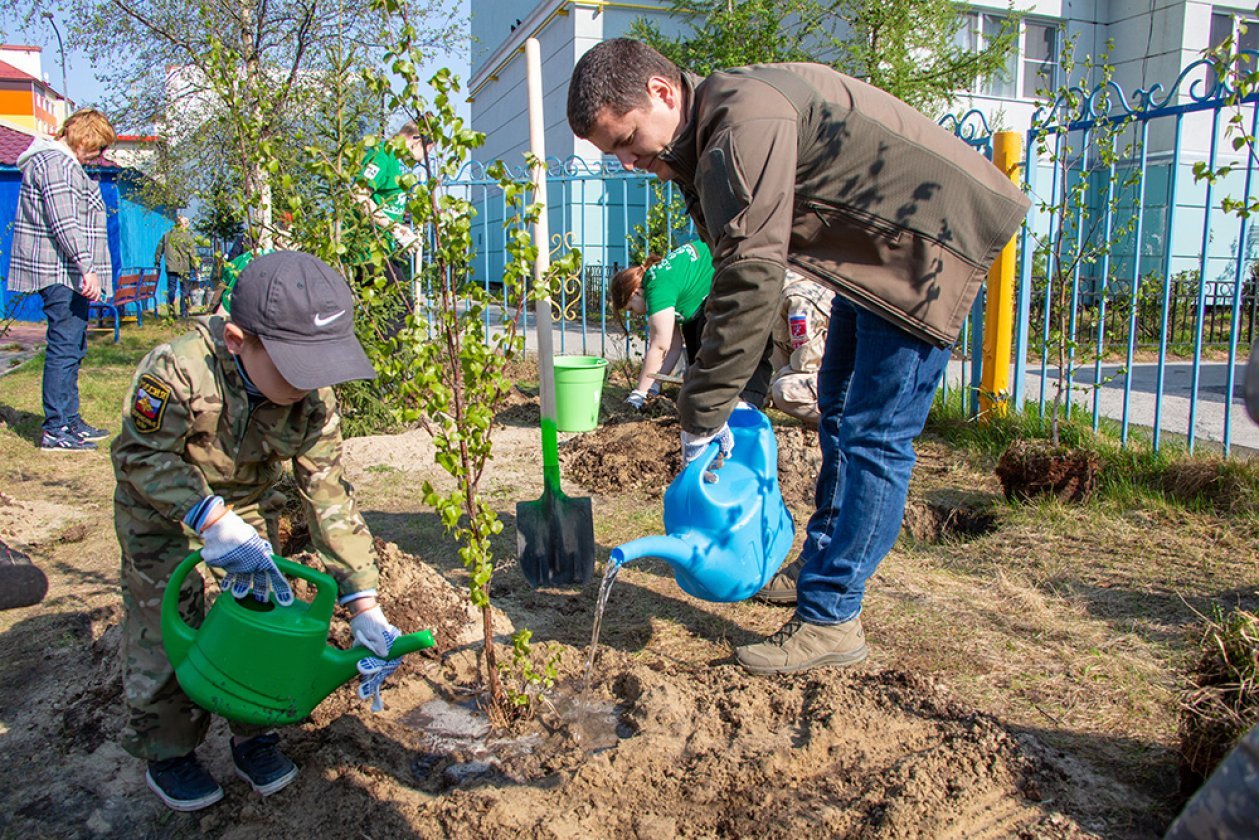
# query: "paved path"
1143,399
20,342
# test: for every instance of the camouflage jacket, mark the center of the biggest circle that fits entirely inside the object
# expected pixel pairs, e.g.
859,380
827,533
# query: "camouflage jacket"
188,431
804,312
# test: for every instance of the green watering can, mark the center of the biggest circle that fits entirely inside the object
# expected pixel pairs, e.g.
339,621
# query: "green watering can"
258,662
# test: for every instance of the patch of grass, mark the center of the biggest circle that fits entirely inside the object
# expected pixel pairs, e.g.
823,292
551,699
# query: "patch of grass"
1131,476
1221,703
104,378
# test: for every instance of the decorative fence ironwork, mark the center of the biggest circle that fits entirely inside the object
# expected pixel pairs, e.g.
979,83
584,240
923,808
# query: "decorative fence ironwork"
1180,281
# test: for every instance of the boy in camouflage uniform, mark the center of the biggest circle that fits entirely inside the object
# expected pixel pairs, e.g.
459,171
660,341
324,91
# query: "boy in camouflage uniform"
799,337
208,422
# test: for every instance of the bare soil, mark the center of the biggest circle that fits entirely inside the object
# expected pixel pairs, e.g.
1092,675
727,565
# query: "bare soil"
676,741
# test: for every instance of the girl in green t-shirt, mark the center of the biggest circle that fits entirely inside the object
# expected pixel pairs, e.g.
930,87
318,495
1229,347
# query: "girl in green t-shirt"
671,293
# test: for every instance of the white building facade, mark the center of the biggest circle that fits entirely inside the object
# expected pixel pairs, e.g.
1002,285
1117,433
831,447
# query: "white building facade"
1151,43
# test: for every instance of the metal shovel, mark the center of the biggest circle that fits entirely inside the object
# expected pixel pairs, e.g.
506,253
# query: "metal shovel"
555,535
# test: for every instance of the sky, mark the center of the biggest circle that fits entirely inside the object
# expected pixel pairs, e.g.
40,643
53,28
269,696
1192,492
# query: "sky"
85,88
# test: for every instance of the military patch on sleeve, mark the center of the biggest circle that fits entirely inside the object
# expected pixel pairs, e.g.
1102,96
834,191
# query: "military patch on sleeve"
149,405
798,326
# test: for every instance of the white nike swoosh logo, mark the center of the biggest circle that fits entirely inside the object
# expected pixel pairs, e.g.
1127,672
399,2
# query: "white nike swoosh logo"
321,321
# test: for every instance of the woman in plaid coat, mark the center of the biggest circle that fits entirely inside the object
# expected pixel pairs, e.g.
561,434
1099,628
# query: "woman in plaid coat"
61,250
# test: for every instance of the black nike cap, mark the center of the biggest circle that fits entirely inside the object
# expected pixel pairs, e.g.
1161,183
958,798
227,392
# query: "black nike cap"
303,313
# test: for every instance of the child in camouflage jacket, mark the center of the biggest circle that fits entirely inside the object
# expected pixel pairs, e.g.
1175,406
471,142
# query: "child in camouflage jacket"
208,422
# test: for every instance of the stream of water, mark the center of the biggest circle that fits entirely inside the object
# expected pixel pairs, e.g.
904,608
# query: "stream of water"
605,589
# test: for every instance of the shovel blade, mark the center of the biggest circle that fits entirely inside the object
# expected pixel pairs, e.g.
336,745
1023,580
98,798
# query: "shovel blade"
555,540
21,583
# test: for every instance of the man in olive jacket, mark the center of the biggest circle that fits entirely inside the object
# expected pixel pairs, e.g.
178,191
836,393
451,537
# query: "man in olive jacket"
798,165
180,250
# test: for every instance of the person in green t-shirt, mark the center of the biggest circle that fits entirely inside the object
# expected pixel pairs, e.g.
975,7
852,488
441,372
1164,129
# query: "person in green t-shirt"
670,292
380,193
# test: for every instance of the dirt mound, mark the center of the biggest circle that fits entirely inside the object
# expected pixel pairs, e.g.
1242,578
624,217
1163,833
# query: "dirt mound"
25,523
629,454
714,752
519,409
635,452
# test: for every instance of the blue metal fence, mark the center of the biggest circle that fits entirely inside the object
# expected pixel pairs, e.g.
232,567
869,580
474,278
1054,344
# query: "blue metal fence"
1178,280
596,207
1174,295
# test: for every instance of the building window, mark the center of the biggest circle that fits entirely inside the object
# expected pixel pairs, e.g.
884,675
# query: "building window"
1040,58
1224,24
1031,66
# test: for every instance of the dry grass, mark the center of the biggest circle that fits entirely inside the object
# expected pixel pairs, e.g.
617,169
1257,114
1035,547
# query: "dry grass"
1227,486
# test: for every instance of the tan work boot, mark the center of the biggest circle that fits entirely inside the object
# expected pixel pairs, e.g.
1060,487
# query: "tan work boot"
781,589
799,646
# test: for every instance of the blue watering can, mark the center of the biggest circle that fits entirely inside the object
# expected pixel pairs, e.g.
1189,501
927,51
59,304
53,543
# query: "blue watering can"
728,528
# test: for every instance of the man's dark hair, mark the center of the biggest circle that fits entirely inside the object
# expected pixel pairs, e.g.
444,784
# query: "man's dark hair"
614,74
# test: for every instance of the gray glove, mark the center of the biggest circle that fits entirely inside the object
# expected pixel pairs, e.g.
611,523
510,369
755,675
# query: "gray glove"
373,631
693,446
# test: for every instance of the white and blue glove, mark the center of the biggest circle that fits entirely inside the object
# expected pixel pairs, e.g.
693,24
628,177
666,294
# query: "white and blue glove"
234,546
373,631
636,399
693,446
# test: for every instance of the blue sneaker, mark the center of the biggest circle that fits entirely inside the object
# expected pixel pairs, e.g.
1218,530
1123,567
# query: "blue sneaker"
88,432
65,440
182,783
260,762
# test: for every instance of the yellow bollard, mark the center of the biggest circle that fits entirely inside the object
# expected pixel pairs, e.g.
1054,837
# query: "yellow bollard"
994,396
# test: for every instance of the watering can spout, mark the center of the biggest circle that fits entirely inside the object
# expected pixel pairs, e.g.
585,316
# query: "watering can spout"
337,667
678,553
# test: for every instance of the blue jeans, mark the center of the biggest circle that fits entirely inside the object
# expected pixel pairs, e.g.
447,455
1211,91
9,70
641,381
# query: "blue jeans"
875,387
66,311
182,283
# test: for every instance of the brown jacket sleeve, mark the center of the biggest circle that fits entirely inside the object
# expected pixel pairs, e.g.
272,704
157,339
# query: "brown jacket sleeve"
746,186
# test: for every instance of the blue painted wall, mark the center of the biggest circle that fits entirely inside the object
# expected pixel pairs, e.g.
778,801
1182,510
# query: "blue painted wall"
133,228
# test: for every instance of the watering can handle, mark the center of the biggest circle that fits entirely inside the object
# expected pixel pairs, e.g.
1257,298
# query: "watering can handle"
178,636
696,471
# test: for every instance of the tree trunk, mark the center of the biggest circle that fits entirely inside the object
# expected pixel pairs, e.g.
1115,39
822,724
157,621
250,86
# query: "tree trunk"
491,658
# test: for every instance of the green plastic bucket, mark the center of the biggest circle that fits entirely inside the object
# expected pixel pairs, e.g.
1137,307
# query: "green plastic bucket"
578,392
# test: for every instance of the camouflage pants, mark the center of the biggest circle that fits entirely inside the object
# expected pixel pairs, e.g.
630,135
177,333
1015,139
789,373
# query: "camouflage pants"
1227,804
796,394
161,721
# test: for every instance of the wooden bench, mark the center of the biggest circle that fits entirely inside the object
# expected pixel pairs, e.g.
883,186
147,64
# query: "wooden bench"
135,286
148,287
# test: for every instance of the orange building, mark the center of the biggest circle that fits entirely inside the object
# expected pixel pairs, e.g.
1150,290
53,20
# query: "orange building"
26,100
